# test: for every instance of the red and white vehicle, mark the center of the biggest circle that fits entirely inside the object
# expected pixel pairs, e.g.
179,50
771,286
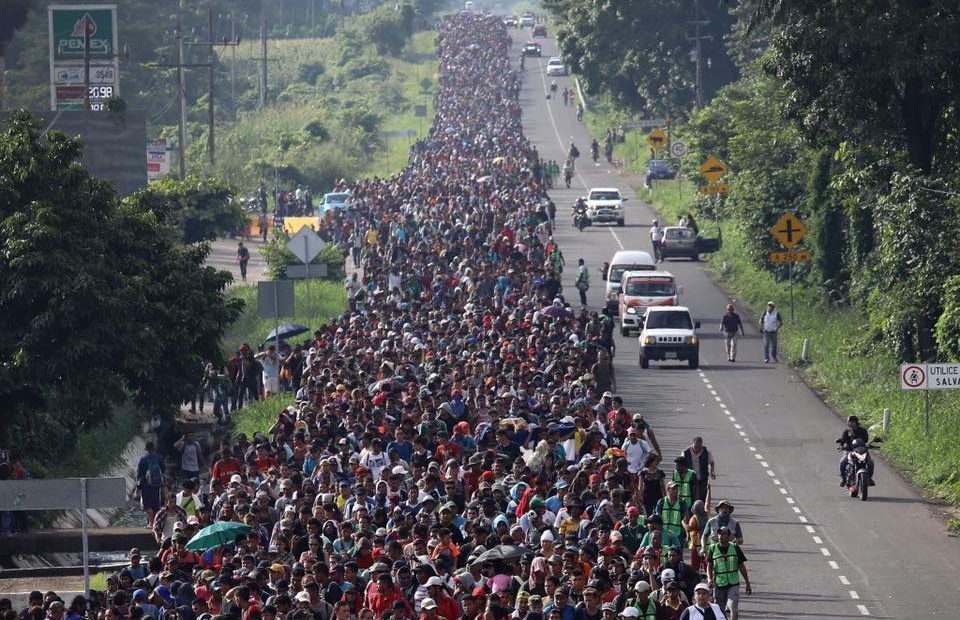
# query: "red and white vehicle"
641,289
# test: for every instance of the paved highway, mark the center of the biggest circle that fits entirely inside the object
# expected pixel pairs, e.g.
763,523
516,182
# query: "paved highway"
813,552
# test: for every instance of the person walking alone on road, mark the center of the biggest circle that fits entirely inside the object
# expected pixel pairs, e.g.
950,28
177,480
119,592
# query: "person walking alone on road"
731,326
243,257
656,237
770,323
583,281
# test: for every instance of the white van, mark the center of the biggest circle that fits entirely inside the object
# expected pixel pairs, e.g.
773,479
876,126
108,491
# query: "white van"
640,290
623,261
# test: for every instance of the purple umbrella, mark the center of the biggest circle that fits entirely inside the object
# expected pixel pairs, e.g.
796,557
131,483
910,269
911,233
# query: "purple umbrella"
555,311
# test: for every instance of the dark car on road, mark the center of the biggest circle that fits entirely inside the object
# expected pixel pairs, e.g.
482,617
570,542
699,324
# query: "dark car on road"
539,30
532,49
660,169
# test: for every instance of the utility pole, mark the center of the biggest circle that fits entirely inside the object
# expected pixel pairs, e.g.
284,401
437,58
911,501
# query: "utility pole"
181,97
86,64
698,21
233,65
211,60
263,62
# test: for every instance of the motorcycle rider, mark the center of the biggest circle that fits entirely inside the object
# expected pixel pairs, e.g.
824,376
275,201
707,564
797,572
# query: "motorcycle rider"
853,437
579,112
595,150
579,213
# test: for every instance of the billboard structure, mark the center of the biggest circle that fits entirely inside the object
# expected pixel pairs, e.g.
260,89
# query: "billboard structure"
84,65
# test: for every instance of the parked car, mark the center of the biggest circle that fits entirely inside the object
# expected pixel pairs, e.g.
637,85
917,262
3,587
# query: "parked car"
679,242
531,48
555,66
539,30
660,169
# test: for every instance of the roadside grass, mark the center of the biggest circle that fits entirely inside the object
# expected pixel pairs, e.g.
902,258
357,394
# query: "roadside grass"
315,304
95,450
409,71
601,115
258,417
850,377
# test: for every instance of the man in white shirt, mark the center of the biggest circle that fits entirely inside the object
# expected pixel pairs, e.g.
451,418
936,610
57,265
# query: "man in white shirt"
636,451
770,324
656,234
702,609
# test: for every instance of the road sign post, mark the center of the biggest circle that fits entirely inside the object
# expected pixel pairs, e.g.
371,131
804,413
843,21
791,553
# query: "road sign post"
275,299
928,377
678,150
305,245
73,494
789,230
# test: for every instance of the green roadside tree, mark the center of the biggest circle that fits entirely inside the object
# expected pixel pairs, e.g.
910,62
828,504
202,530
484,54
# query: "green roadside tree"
98,301
197,209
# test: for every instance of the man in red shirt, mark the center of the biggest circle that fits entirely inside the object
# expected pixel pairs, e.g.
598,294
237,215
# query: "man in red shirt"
446,606
386,594
226,466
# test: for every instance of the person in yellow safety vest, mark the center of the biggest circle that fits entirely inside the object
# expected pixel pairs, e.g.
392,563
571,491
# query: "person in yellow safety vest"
687,479
643,603
725,564
675,512
659,538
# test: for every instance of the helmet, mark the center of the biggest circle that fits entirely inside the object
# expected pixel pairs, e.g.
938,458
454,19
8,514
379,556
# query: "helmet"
858,443
654,222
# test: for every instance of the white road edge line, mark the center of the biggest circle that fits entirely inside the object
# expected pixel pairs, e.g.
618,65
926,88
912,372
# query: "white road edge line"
863,610
834,565
843,580
854,595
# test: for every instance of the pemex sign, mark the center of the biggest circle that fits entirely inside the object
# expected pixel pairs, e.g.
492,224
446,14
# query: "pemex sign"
69,28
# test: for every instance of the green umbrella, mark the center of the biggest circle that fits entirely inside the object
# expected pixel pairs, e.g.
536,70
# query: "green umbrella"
217,535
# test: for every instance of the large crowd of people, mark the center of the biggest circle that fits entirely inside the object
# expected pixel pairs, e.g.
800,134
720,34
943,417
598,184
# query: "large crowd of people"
456,448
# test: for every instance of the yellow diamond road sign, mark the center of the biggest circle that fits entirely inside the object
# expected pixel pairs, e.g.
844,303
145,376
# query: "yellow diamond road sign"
789,230
713,169
656,139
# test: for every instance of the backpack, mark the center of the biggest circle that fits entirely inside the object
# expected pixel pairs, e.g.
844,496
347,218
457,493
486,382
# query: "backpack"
154,475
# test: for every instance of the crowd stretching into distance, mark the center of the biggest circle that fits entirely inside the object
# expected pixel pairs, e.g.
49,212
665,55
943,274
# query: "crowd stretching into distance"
456,449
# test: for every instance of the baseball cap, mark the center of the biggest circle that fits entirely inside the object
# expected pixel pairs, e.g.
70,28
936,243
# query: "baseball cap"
302,597
435,581
428,603
702,586
668,574
630,612
641,586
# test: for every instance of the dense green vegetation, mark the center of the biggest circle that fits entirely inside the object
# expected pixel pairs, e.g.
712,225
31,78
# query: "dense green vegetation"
847,116
343,79
100,301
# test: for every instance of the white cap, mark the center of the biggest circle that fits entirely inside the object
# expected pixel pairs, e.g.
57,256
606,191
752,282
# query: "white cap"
435,581
428,603
399,470
302,597
630,612
236,478
668,575
548,535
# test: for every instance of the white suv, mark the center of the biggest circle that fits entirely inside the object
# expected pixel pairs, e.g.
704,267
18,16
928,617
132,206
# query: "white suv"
555,66
605,204
668,334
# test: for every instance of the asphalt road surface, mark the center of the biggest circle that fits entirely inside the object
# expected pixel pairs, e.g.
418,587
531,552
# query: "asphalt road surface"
813,552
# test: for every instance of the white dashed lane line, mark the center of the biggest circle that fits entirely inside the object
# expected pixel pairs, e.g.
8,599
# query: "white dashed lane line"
817,540
556,132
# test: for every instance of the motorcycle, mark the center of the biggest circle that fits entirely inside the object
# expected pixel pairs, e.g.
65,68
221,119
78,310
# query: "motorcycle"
553,87
595,152
858,479
580,220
